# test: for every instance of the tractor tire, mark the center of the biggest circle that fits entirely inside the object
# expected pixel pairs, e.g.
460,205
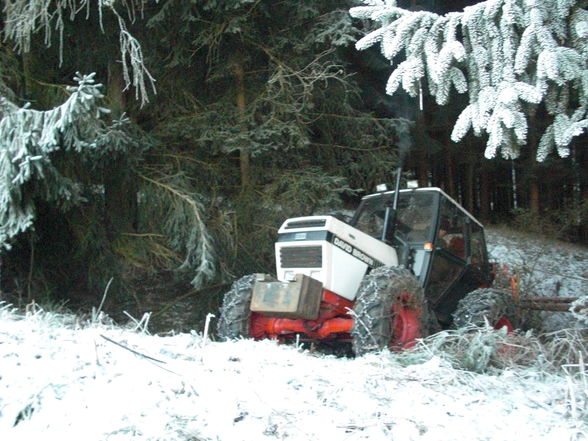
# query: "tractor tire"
390,311
486,305
235,314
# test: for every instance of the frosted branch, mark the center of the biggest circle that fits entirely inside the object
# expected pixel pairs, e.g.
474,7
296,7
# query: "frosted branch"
506,54
28,138
24,18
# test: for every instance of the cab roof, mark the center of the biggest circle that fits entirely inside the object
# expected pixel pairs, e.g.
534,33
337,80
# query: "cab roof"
425,189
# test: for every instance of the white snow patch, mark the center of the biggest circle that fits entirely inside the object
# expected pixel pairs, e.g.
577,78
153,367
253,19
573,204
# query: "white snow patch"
549,268
66,382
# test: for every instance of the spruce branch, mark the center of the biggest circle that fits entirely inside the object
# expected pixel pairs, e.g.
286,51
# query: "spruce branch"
24,18
28,139
508,55
187,231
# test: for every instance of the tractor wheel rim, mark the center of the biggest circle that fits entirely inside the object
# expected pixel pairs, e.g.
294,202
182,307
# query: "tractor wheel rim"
257,325
406,328
502,322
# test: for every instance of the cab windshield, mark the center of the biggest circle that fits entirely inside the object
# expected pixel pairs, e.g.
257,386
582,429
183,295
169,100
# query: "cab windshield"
414,217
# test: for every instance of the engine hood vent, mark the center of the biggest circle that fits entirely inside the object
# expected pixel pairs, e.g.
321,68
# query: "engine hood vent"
311,223
301,257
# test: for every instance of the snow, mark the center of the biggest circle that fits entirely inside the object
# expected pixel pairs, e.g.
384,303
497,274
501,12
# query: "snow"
549,268
65,377
67,382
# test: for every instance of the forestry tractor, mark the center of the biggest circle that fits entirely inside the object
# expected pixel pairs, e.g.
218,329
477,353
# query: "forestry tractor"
408,263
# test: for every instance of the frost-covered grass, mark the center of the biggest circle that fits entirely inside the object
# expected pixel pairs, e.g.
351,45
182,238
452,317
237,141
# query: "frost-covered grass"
63,379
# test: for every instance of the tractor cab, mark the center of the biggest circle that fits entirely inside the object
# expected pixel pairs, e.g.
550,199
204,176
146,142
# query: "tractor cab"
435,238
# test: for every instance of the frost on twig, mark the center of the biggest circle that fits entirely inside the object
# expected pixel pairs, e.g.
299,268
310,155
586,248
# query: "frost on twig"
579,309
184,222
24,18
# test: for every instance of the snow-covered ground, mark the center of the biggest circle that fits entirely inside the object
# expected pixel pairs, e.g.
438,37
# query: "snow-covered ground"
548,268
68,378
67,382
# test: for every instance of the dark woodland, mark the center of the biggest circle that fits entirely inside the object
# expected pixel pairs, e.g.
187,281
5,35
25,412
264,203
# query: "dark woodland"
257,111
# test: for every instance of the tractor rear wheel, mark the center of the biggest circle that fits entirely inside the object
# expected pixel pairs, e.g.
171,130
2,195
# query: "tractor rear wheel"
235,313
486,305
390,311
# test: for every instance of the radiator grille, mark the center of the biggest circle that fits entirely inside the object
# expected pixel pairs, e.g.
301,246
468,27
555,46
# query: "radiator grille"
312,223
301,257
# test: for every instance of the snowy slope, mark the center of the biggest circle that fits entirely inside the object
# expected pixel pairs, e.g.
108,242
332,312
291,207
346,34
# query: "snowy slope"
549,267
64,382
545,267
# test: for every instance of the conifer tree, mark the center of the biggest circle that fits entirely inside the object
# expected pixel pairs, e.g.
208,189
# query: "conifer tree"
28,140
267,82
509,56
59,149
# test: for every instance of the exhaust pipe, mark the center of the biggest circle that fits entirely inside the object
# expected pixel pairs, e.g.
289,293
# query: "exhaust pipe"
390,215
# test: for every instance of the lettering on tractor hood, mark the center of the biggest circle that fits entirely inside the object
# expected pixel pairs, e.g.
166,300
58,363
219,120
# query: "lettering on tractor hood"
348,248
335,240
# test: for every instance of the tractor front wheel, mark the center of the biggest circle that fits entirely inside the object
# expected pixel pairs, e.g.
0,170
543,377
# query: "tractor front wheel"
486,305
235,313
390,311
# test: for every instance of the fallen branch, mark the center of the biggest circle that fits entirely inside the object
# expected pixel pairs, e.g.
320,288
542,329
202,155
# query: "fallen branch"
131,350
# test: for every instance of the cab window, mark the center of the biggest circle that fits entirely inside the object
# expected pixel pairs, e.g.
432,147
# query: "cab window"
413,219
451,232
478,247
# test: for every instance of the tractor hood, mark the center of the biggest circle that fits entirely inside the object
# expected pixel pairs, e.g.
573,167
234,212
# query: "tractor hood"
330,251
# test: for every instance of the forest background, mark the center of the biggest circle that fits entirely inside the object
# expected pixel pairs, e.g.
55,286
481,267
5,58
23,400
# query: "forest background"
151,149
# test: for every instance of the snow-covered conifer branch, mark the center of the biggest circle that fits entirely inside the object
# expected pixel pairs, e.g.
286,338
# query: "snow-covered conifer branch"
23,18
507,54
28,137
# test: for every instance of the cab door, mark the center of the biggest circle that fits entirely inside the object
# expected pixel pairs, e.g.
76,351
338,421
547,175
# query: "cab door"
449,258
459,261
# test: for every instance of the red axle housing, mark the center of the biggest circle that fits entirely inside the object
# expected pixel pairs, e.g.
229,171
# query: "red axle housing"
334,321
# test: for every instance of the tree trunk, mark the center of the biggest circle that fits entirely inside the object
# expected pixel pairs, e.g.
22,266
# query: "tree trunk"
27,76
503,190
485,195
120,184
244,158
582,182
469,190
534,197
422,168
451,175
